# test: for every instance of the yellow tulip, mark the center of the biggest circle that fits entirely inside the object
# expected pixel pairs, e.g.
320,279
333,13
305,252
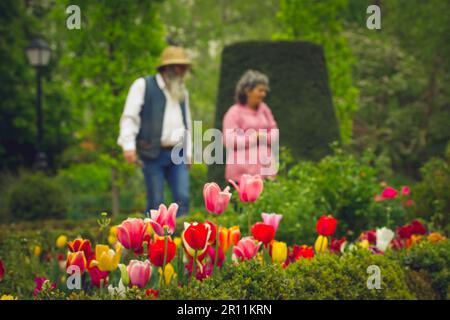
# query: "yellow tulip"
321,244
61,241
7,297
113,231
279,251
365,244
112,237
107,259
177,241
37,251
169,273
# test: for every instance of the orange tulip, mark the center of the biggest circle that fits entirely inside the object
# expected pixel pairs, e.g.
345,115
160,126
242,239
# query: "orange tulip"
229,237
77,259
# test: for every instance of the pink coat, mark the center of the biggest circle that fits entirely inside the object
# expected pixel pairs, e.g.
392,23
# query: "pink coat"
240,145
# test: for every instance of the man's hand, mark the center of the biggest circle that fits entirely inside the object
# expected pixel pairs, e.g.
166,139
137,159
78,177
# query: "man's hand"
130,156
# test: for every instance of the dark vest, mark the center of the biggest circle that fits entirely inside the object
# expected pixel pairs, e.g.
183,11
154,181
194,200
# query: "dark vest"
148,140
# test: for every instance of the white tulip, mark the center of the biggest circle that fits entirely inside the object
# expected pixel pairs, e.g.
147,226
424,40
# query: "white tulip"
384,238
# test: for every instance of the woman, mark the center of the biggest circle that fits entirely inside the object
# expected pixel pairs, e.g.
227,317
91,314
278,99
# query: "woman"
249,130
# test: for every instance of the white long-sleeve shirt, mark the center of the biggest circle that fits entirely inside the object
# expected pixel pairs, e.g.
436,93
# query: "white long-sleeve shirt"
172,127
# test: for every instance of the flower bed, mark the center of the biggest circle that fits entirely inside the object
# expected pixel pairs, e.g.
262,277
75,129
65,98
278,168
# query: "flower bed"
144,259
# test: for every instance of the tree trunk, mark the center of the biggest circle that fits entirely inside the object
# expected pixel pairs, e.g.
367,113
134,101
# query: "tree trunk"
115,192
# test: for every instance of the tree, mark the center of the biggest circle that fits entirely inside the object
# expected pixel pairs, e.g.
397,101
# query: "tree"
118,42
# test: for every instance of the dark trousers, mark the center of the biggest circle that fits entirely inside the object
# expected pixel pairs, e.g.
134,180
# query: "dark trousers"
156,171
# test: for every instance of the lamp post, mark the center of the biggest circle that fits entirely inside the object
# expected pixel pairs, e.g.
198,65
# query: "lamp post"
38,54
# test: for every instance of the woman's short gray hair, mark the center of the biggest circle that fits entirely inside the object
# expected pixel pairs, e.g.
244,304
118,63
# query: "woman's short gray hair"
249,80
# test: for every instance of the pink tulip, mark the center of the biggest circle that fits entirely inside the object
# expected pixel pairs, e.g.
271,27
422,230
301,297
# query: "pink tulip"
389,193
405,191
246,249
139,272
131,233
164,218
250,187
216,200
272,219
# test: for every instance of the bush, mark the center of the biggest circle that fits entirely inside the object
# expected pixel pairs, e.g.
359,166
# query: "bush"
324,277
36,196
432,194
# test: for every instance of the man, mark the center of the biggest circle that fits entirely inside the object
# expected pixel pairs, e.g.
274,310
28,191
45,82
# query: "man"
155,122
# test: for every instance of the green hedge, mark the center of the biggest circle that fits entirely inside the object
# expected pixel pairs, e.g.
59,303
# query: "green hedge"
329,277
299,97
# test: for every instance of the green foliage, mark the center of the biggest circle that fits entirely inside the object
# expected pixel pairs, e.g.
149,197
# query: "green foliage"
432,194
37,196
433,260
321,23
302,108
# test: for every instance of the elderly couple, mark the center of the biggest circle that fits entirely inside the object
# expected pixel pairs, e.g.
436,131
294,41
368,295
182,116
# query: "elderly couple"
156,118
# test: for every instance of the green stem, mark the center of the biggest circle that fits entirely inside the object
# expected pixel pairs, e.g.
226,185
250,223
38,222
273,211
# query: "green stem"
166,239
216,258
194,267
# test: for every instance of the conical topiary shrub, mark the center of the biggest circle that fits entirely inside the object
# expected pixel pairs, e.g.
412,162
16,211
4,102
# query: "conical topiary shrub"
299,96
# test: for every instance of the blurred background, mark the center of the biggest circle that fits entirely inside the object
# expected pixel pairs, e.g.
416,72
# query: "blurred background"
390,90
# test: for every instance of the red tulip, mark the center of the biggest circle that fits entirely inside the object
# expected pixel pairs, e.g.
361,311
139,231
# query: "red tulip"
77,259
389,193
2,270
263,232
212,237
164,218
196,236
97,276
246,249
337,245
139,273
81,245
156,251
131,233
370,236
273,219
405,190
152,292
405,232
418,227
212,255
301,252
202,270
326,226
216,200
249,188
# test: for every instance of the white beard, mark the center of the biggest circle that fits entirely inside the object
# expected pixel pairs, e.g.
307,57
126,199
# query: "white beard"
176,87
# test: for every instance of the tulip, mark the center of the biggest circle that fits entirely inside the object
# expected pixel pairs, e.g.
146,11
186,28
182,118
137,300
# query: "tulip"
301,252
216,200
164,219
338,245
415,238
229,237
37,251
131,233
245,249
81,245
211,252
169,274
7,297
124,278
418,227
364,244
273,219
279,251
61,241
389,193
405,190
249,188
196,236
405,232
2,270
107,259
212,237
77,259
326,226
152,293
321,244
42,283
139,273
112,237
384,238
156,251
370,236
263,232
432,237
98,277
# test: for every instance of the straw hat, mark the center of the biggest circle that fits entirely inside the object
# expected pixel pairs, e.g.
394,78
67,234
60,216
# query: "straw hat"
173,55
